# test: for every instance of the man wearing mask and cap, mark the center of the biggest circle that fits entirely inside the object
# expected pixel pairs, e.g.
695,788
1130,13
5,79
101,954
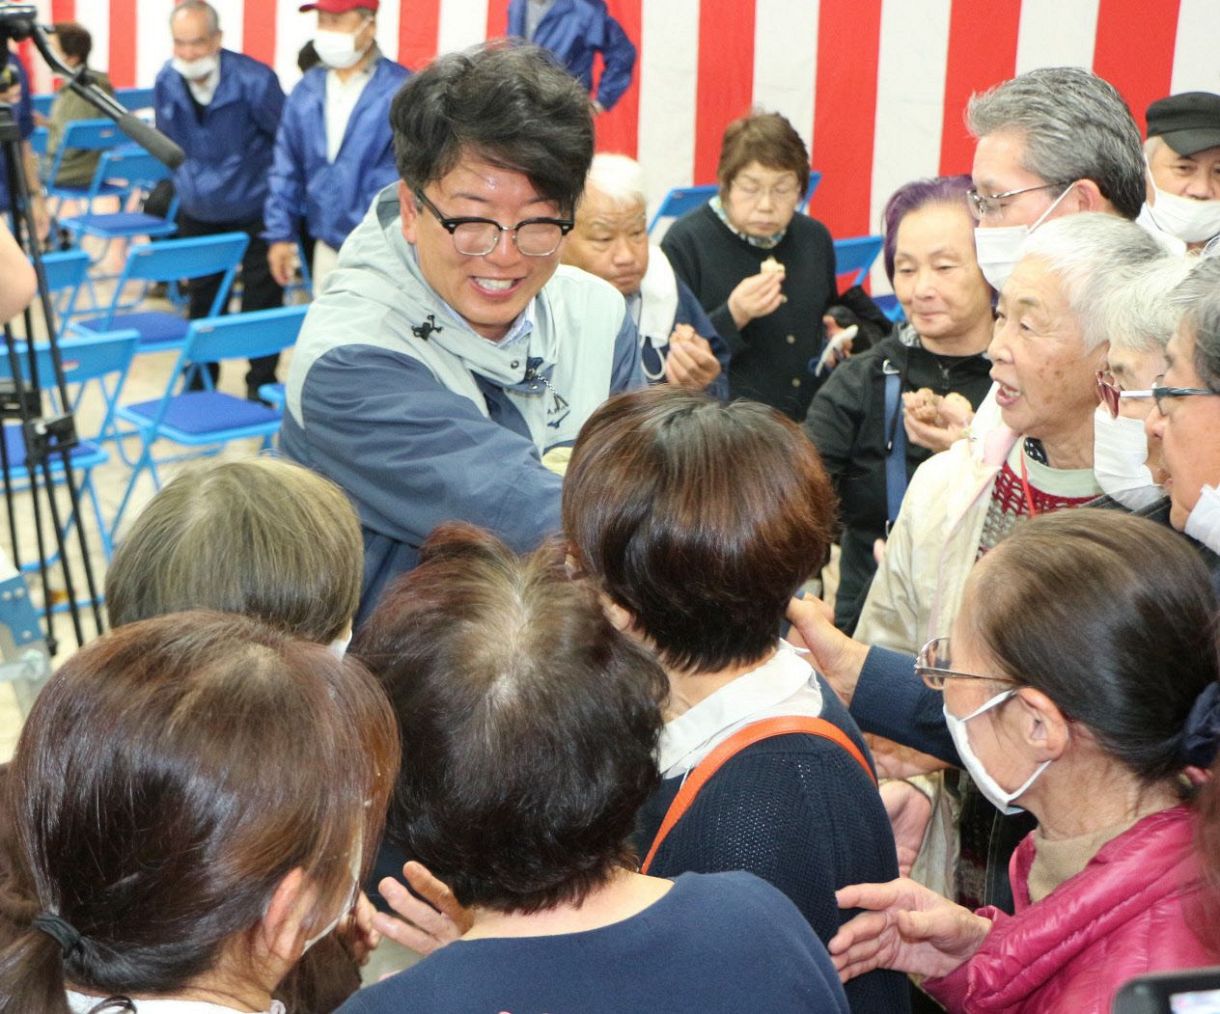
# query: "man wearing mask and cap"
329,176
1183,152
222,108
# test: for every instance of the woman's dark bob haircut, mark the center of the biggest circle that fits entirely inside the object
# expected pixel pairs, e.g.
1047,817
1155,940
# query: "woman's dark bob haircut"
766,138
529,723
1111,616
507,104
699,518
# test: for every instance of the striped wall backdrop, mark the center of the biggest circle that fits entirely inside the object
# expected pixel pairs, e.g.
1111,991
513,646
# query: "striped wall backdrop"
876,87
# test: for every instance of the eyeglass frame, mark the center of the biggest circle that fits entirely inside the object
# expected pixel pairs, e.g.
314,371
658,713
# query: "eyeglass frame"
934,676
778,196
974,199
1110,395
450,225
1160,392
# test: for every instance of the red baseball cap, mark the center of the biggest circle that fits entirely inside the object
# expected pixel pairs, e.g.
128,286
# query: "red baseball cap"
340,6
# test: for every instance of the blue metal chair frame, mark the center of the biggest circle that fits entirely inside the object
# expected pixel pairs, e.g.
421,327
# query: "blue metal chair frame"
856,255
139,173
210,419
86,135
680,200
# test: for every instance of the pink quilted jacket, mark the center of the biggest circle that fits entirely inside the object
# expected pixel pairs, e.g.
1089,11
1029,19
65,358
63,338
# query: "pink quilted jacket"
1127,913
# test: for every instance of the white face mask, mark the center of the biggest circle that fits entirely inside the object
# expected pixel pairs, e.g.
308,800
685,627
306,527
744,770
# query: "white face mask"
338,49
193,70
357,859
1190,220
998,249
1203,524
1000,798
1120,460
338,647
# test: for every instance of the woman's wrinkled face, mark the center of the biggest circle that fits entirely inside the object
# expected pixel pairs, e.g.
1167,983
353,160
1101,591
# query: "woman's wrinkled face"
761,201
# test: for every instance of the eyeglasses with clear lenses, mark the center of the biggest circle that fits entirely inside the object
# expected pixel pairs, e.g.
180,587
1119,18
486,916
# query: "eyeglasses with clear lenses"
991,205
934,665
1162,393
477,237
783,193
1111,394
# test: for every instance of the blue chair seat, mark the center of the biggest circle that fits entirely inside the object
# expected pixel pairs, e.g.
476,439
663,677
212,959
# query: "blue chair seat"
198,414
127,223
86,454
156,327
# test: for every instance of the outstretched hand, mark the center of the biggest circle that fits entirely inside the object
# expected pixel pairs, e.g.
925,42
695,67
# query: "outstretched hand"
835,655
907,928
424,925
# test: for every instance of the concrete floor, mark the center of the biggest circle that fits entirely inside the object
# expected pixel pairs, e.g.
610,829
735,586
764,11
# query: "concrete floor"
147,380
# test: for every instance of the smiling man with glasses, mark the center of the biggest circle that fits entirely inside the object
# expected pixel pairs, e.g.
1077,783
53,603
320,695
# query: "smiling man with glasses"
450,351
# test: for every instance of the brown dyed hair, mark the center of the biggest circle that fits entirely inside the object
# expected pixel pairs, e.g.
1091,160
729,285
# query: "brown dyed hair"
528,723
1111,616
766,138
74,40
168,778
700,518
259,536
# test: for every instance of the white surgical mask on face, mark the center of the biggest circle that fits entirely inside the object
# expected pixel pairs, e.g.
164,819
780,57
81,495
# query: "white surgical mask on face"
1203,524
998,249
1190,220
1120,460
338,49
357,859
193,70
1000,798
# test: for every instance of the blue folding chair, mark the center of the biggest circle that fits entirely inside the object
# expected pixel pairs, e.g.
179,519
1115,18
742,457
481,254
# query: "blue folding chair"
855,256
105,359
169,261
42,103
815,177
86,135
680,200
66,271
273,395
211,419
39,141
133,99
135,172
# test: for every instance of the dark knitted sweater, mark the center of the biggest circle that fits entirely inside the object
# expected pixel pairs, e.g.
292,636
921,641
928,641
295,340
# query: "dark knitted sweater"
770,355
799,812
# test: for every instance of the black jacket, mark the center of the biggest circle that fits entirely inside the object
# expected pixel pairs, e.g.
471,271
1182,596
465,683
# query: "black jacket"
846,422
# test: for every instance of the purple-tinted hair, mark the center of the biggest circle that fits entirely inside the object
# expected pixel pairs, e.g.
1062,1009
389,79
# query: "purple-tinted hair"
913,196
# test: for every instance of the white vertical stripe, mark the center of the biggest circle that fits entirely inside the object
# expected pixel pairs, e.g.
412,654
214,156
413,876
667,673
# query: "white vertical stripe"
232,16
668,69
95,15
40,74
388,15
913,52
153,40
785,60
1057,33
292,30
463,24
1195,67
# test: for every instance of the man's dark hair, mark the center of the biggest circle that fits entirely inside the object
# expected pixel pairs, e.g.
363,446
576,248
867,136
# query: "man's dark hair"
701,519
529,722
510,105
74,40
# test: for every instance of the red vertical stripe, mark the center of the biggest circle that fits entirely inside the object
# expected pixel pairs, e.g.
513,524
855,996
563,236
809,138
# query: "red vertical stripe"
122,66
258,30
849,37
419,25
725,88
497,18
1134,50
982,53
618,130
63,10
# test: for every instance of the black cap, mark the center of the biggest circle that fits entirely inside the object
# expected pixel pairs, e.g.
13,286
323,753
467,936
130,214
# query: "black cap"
1188,123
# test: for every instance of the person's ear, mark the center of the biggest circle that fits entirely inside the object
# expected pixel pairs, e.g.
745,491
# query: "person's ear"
281,933
1088,196
409,212
1044,728
621,619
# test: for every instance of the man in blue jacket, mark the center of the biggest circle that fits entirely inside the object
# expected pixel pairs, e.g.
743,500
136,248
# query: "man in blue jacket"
450,351
574,30
334,150
222,108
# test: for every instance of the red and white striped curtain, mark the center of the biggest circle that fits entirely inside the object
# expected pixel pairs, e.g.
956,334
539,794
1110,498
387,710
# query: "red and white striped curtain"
876,87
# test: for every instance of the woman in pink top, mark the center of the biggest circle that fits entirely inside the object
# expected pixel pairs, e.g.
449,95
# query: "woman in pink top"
1081,681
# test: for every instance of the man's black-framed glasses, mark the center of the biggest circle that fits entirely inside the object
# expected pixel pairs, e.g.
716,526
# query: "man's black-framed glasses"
1160,392
934,665
477,237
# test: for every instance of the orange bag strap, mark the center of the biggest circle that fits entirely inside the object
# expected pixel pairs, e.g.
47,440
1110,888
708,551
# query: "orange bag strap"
753,733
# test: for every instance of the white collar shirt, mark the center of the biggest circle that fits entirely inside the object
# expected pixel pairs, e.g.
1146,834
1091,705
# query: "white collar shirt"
341,99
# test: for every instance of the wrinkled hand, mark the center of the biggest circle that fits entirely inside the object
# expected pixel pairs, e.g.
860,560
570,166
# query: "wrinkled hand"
756,296
835,655
952,418
282,260
421,926
907,928
356,932
894,760
690,362
910,812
